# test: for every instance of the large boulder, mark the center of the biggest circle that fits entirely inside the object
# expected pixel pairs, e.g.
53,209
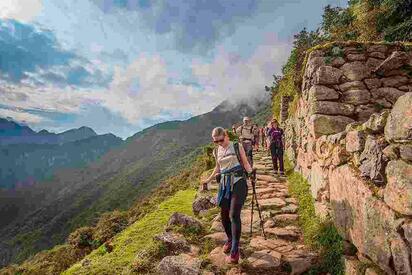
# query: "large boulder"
355,141
179,219
361,218
327,125
355,70
399,125
319,92
317,179
174,242
389,93
396,60
398,191
376,123
203,203
373,160
356,97
332,108
180,265
327,75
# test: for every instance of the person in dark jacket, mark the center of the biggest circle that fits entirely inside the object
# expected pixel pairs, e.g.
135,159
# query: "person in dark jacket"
277,146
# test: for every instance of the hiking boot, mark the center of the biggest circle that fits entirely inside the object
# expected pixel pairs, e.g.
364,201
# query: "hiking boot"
233,258
282,174
226,247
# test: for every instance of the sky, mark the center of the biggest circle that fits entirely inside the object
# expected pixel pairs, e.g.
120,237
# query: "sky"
120,66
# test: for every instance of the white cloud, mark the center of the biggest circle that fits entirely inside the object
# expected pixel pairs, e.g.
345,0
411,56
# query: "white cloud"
236,78
21,116
22,10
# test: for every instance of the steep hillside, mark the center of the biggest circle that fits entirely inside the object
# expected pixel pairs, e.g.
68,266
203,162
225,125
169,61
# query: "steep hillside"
73,198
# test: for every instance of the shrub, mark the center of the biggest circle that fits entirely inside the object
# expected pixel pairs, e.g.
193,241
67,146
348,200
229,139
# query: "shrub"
82,237
109,225
146,259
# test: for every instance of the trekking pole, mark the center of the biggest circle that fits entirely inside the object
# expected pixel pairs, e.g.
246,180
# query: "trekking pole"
254,198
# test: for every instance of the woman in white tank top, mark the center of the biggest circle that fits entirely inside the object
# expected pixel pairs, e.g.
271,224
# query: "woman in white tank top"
232,188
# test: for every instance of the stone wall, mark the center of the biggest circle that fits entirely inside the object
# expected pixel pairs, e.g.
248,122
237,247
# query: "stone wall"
351,137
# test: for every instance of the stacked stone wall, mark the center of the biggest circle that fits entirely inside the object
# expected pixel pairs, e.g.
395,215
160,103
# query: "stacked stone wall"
351,137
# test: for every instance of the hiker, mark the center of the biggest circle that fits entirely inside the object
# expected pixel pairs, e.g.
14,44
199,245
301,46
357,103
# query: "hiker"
276,146
246,137
262,137
231,170
256,137
267,141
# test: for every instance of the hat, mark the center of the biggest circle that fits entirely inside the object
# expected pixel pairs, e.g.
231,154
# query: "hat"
246,119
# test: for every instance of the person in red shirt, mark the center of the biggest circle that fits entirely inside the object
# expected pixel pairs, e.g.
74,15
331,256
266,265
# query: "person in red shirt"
277,145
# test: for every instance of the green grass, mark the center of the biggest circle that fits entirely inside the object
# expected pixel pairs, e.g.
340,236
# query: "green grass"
135,238
320,235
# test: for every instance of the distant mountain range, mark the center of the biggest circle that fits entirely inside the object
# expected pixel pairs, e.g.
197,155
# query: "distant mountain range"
27,157
14,133
43,215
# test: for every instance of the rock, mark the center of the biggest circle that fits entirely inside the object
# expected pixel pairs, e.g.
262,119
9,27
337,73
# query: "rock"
283,233
390,94
376,123
377,55
289,209
394,61
398,191
179,265
260,243
331,108
203,203
377,48
394,81
317,179
349,249
285,218
371,271
364,220
266,178
327,75
356,57
219,238
298,265
401,254
322,210
327,125
352,266
174,242
269,224
352,85
183,220
319,92
337,62
383,103
355,141
217,257
372,159
314,62
355,71
356,97
217,226
278,202
405,88
234,271
265,259
406,152
407,230
339,155
391,151
363,112
399,125
373,83
372,63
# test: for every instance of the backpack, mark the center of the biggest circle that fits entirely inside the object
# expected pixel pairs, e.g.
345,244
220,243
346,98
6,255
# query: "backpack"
237,152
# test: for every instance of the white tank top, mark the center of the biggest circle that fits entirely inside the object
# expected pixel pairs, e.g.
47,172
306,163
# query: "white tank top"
227,158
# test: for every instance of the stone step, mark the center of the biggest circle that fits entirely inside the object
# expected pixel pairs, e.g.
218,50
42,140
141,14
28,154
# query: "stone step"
290,234
277,202
265,260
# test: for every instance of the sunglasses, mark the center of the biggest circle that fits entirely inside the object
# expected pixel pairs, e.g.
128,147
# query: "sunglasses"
219,140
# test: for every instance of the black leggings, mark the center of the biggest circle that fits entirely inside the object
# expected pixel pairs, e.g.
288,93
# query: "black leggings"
230,213
277,157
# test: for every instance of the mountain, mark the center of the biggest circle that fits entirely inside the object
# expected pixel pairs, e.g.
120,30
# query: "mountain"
76,197
24,164
14,133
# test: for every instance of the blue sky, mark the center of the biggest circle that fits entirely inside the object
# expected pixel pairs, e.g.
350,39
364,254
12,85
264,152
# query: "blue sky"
122,65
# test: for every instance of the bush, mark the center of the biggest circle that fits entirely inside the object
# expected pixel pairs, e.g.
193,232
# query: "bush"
109,225
82,237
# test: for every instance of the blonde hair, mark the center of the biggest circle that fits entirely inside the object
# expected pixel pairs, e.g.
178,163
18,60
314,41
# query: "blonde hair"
219,131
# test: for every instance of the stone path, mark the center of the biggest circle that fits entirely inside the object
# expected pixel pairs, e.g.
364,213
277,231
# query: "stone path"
283,252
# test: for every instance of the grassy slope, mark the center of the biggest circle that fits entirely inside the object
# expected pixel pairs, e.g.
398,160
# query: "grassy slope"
136,237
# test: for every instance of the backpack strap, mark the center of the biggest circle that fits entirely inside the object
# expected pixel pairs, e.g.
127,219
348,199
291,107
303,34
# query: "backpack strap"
236,146
215,153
